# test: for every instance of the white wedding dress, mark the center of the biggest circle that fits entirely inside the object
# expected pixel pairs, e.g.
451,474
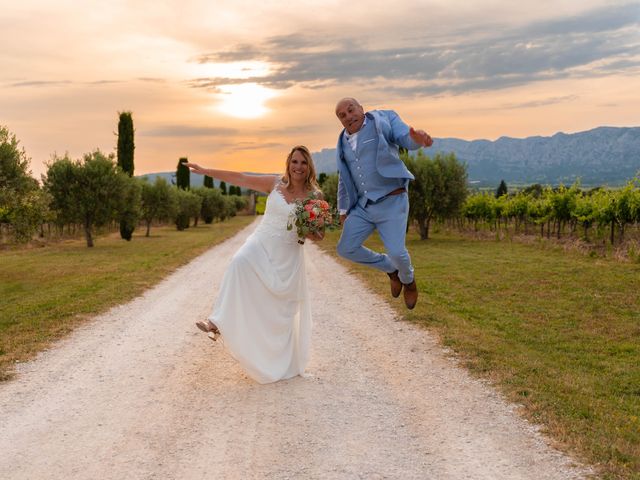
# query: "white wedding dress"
262,309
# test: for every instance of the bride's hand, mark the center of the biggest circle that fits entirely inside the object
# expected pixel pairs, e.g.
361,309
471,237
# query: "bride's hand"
194,167
316,236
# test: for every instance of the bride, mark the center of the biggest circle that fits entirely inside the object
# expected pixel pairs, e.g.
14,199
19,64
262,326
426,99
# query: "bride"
262,310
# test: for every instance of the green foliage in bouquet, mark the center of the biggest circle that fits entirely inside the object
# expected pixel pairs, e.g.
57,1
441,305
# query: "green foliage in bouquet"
312,216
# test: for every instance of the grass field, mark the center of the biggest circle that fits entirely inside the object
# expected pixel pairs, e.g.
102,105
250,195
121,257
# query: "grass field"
557,332
47,291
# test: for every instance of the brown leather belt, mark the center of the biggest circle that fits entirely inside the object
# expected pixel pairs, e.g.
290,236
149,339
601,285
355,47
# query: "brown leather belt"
397,191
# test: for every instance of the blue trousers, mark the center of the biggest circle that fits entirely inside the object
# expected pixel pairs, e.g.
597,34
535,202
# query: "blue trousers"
389,217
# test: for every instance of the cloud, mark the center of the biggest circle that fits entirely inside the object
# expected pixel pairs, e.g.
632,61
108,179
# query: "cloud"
104,82
607,18
602,41
240,146
151,79
287,129
40,83
186,131
53,83
539,103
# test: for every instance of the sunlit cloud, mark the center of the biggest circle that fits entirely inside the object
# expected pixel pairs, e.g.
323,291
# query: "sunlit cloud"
235,69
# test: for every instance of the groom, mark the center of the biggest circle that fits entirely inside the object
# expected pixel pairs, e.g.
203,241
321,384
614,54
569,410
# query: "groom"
372,190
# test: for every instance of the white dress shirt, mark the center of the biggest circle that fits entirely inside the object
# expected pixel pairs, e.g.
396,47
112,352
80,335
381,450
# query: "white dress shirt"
352,138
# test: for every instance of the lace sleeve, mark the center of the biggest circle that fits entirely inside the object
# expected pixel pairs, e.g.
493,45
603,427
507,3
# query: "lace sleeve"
277,183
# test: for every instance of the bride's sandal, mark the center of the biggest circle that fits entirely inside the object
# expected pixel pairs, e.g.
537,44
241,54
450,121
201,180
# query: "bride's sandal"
209,328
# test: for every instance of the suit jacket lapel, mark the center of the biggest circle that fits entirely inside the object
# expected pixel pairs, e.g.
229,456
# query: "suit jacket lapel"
365,135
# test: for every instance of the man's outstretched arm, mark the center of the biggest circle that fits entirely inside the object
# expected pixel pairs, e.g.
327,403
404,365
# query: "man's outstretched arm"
406,136
421,137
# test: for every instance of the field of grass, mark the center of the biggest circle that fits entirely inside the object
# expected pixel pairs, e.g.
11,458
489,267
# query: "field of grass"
557,332
47,291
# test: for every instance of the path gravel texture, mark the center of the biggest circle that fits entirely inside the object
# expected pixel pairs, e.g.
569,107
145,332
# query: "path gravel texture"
140,393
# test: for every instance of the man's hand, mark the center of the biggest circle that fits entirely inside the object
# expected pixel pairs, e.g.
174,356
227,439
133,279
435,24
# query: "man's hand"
343,217
421,137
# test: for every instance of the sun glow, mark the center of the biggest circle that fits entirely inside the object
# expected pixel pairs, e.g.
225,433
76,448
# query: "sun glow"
245,100
246,69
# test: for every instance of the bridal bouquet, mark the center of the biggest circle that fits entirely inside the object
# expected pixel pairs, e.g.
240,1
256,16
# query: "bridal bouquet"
311,215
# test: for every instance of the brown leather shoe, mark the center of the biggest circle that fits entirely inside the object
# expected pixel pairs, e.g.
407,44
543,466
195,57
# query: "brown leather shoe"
410,294
396,284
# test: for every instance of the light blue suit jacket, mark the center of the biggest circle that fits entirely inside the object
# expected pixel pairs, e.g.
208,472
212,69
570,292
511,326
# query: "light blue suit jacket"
392,133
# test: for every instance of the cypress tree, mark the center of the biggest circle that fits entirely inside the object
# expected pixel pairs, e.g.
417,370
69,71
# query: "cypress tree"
223,188
502,189
208,181
125,162
183,174
125,143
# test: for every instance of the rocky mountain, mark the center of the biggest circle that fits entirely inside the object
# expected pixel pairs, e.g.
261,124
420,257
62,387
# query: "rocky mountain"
604,155
325,160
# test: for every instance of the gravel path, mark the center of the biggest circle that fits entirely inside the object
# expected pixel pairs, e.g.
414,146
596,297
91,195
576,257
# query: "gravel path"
140,393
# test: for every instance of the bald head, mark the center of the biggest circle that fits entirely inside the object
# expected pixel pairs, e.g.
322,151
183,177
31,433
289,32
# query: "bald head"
346,101
350,113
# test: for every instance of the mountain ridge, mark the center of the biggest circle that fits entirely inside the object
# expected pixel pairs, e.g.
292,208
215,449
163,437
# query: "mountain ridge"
601,155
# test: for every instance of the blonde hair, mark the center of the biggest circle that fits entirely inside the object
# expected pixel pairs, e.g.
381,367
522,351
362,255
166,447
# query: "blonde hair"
311,183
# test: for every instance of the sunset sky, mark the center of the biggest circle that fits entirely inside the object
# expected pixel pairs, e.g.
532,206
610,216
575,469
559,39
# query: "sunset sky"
235,84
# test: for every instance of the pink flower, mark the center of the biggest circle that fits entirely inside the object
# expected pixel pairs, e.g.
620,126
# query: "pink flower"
311,215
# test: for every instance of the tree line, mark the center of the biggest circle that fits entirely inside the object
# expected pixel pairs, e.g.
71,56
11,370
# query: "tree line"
98,190
441,193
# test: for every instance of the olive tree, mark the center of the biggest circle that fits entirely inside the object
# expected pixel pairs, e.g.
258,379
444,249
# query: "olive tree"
189,205
91,191
439,189
159,202
212,203
22,204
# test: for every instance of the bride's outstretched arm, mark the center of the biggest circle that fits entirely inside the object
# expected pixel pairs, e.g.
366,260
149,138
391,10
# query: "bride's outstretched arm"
260,183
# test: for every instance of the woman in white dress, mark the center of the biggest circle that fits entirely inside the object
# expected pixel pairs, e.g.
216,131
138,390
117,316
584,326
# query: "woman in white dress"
262,310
